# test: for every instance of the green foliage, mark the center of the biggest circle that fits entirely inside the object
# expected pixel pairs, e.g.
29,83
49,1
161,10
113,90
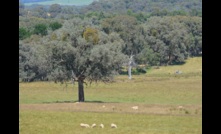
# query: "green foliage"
55,25
54,10
132,27
147,56
194,28
153,7
128,29
40,29
33,62
178,12
91,35
170,38
23,33
140,69
40,11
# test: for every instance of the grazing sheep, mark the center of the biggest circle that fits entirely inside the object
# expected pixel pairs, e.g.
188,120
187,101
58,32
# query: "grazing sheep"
84,125
135,107
180,107
93,125
113,125
102,125
178,72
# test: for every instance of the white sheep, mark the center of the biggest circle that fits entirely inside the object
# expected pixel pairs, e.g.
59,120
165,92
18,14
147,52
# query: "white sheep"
135,107
93,125
102,125
84,125
180,107
113,125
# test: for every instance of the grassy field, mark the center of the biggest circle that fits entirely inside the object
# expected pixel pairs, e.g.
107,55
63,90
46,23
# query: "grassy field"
64,2
168,103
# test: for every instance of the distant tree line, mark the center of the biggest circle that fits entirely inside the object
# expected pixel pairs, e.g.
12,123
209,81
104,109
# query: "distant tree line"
95,41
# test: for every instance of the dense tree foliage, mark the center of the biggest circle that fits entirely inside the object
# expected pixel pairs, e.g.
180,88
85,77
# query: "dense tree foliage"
23,33
55,25
168,38
40,29
129,30
148,6
54,10
91,35
92,43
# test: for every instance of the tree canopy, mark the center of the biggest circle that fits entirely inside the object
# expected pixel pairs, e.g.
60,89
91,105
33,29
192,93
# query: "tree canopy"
93,43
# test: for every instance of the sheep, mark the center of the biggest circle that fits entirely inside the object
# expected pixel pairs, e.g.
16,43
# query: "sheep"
93,125
135,107
113,125
102,125
180,107
178,72
84,125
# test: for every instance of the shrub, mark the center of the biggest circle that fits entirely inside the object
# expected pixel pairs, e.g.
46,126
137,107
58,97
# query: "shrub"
40,29
23,33
55,26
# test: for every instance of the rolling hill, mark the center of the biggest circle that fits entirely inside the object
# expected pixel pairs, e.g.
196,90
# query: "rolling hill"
61,2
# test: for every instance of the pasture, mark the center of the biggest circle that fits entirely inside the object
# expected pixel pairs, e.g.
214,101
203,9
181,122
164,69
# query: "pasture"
63,2
168,103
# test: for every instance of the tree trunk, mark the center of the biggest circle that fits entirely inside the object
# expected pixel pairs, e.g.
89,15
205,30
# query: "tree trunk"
80,91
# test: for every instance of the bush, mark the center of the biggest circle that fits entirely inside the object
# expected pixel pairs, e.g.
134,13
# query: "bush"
55,25
141,70
40,29
23,33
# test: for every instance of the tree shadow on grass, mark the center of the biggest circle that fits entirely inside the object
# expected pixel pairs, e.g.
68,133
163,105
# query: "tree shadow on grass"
72,101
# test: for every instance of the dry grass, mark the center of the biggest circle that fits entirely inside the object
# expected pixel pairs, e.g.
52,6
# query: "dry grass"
192,67
195,110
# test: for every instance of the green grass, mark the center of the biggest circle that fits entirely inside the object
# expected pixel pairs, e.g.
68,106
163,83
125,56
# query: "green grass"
69,123
64,2
158,93
142,89
192,67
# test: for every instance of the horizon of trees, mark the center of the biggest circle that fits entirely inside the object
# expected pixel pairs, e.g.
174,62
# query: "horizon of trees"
93,43
156,36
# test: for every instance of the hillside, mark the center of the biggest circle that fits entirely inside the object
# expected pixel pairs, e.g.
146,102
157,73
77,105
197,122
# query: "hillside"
157,6
61,2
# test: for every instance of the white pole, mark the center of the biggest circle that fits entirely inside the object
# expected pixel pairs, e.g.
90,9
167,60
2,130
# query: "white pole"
130,66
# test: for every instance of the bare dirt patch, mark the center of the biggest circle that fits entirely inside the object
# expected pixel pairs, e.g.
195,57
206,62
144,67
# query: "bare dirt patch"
117,107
